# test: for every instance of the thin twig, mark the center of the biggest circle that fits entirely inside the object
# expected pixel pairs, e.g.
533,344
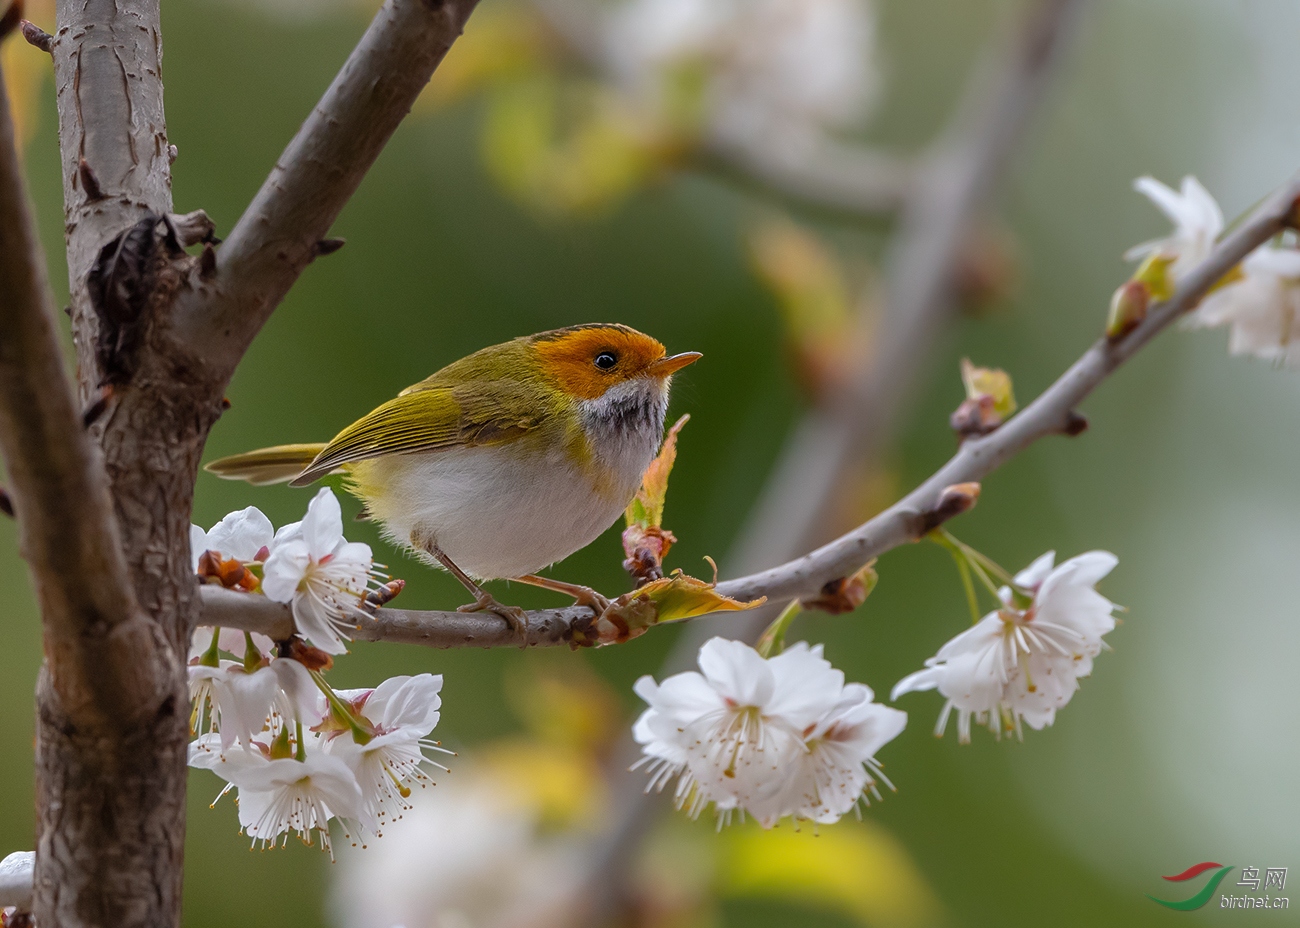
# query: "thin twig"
901,523
281,231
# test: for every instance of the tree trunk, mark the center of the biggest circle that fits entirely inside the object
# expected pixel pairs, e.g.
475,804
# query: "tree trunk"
111,797
106,521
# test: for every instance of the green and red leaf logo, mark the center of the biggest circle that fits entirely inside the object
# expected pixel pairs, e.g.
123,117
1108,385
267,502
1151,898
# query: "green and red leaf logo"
1191,873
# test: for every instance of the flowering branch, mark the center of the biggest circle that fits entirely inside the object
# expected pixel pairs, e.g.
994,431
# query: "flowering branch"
1053,412
283,229
907,520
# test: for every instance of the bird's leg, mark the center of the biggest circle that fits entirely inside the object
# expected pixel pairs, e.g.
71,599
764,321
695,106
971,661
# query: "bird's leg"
483,600
582,595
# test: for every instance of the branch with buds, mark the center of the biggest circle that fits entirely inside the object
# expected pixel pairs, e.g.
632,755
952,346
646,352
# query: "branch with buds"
947,493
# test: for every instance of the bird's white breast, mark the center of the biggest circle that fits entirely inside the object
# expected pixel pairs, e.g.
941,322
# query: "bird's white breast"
506,510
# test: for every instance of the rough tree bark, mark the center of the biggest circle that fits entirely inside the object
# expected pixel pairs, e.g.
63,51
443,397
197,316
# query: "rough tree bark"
103,485
111,800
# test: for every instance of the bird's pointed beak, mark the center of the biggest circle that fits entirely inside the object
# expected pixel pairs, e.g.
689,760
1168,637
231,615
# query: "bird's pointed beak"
671,365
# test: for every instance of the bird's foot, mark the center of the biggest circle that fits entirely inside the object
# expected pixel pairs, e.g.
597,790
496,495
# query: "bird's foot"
582,595
514,616
586,596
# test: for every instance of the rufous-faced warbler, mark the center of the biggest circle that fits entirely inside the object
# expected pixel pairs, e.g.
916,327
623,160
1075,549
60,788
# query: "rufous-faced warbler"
503,462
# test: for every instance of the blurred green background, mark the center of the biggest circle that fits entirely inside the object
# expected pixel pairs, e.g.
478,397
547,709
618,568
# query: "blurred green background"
1183,745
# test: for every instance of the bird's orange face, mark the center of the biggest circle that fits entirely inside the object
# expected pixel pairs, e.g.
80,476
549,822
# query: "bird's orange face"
587,360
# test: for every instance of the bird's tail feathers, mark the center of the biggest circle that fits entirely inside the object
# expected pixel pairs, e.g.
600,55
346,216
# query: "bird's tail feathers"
267,465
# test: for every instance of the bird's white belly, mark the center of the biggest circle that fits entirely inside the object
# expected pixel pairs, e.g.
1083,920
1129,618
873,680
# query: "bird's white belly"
494,511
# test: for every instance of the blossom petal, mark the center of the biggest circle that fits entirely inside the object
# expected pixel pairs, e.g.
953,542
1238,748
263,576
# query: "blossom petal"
285,569
1032,577
806,685
736,671
242,534
322,527
198,544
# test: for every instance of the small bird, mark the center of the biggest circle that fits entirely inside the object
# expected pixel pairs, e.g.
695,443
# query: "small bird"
503,462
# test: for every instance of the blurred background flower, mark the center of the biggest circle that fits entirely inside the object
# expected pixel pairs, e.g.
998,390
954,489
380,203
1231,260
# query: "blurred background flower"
1183,744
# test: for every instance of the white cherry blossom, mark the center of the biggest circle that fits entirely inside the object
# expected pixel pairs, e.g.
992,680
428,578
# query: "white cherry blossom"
231,641
239,704
283,795
241,536
245,700
1261,308
774,737
1197,220
402,711
1022,662
322,574
839,767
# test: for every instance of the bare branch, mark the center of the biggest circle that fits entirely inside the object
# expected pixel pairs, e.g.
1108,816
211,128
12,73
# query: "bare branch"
95,643
906,521
280,232
233,609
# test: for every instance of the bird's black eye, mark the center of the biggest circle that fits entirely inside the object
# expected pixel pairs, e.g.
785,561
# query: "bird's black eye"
606,360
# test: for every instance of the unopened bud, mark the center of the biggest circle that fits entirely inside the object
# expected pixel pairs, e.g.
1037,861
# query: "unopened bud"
385,594
36,36
846,593
953,501
1128,307
310,657
989,402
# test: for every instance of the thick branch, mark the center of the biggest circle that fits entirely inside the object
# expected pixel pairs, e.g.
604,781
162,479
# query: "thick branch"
278,234
112,133
906,521
99,651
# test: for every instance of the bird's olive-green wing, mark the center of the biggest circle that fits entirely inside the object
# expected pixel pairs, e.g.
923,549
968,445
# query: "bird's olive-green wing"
431,418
